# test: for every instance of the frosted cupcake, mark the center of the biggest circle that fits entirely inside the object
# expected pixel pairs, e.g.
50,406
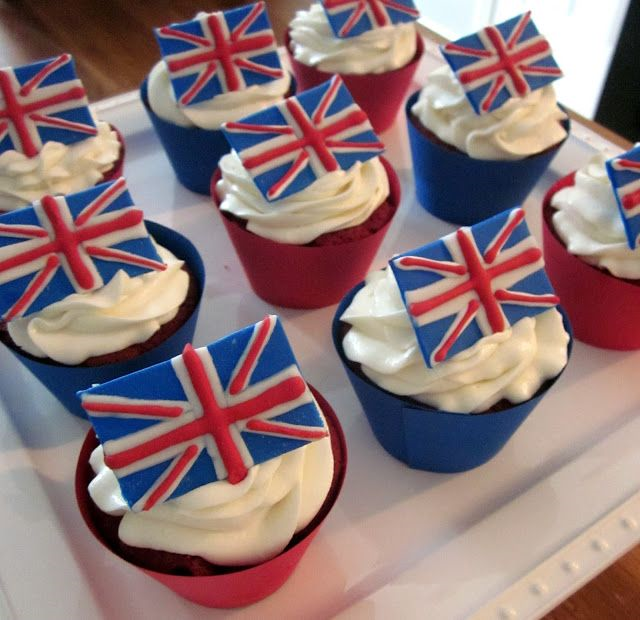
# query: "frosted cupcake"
88,293
451,347
483,129
50,140
218,67
222,489
590,234
305,198
373,46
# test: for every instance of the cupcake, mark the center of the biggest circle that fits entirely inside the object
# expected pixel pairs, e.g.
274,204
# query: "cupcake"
482,131
217,67
88,292
50,141
305,198
453,344
214,469
591,250
373,46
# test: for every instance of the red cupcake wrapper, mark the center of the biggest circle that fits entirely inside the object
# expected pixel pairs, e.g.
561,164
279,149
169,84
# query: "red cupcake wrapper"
391,86
603,309
245,585
118,167
300,276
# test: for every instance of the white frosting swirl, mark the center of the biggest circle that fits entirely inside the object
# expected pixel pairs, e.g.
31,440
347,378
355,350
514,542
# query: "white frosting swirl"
589,222
223,523
230,106
512,364
335,201
57,169
519,128
125,311
314,43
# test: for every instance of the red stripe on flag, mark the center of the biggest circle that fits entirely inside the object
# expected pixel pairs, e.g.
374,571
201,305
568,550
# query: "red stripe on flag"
526,298
470,312
124,257
101,201
496,246
34,288
171,33
51,121
146,409
47,70
261,336
409,262
184,461
264,426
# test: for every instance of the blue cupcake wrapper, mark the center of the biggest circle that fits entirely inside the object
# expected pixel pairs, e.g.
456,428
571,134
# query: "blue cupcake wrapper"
427,438
64,381
459,189
193,152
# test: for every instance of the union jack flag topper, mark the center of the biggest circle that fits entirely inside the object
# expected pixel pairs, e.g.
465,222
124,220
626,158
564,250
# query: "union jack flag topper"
43,102
472,283
209,414
286,147
70,244
350,18
500,62
219,52
624,172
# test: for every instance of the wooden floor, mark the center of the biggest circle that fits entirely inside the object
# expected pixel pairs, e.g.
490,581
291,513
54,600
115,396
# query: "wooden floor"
114,48
111,40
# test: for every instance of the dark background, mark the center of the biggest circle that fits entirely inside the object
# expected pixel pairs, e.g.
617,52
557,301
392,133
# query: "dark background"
619,107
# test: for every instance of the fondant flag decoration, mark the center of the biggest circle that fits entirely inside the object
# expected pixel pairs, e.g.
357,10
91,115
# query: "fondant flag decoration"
219,52
501,62
624,172
287,147
70,244
472,283
207,415
43,102
350,18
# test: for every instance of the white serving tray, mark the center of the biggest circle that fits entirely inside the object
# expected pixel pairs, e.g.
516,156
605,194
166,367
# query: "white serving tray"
507,540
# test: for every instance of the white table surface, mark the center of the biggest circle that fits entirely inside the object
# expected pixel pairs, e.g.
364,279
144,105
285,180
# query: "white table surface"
509,539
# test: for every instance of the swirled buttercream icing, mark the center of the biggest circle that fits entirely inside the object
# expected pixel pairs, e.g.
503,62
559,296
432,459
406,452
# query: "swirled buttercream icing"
520,128
57,169
227,524
313,43
229,106
510,365
588,220
126,311
337,200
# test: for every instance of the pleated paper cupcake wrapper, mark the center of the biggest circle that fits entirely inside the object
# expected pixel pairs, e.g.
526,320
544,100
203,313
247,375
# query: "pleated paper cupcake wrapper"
462,190
604,310
64,381
297,276
243,586
426,438
380,95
